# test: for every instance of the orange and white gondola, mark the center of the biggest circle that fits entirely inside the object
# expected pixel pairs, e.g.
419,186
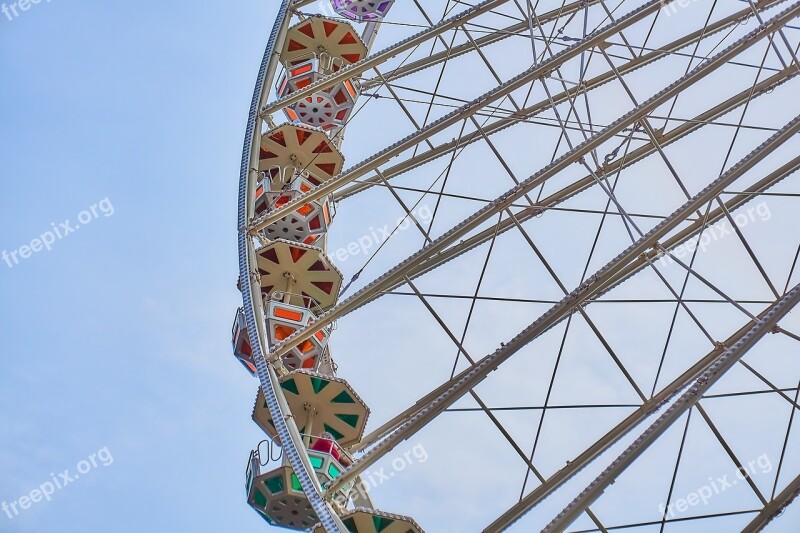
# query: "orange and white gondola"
313,49
302,273
293,150
307,224
283,320
334,42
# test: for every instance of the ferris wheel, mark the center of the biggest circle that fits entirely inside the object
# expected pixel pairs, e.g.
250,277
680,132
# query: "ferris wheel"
564,265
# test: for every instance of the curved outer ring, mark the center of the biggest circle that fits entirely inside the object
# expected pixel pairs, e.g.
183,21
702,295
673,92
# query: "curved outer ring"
278,408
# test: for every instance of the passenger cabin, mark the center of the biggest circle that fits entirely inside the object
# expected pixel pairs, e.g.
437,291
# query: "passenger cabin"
283,320
315,48
306,225
278,496
241,342
318,403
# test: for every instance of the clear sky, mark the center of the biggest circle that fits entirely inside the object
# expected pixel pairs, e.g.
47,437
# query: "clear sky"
119,336
121,127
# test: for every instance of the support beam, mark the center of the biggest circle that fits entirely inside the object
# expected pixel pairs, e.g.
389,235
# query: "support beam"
464,48
631,158
774,508
568,95
469,109
675,241
634,268
611,438
675,412
587,290
356,69
658,252
396,275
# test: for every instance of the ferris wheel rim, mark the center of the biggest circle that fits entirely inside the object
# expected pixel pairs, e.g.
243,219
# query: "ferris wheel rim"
267,376
246,220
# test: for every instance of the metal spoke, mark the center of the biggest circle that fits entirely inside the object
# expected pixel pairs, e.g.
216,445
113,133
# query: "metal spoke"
599,133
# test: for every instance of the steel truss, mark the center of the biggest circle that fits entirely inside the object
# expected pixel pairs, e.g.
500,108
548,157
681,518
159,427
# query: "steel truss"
604,277
687,400
647,247
398,274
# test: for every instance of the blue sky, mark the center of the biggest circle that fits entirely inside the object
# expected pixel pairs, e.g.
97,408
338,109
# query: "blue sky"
119,336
